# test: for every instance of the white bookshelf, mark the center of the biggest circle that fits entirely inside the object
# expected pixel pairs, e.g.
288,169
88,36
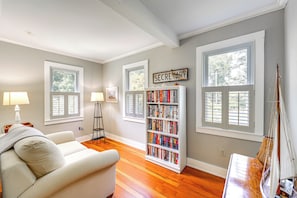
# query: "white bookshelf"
166,127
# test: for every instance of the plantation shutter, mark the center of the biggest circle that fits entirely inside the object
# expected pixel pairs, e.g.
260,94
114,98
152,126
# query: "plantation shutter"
229,107
135,104
64,104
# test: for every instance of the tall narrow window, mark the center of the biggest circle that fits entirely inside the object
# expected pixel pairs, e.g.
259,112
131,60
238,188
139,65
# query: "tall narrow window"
134,81
63,93
230,87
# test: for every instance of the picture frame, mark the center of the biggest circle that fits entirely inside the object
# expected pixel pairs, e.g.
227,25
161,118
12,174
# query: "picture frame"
112,94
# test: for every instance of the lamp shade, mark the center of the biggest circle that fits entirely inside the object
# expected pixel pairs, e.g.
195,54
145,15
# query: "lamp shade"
15,98
97,97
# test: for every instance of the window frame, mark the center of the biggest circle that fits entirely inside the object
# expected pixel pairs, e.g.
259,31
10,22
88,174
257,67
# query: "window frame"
48,119
226,89
130,67
257,76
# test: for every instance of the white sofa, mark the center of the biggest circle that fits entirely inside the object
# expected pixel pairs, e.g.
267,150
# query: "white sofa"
83,172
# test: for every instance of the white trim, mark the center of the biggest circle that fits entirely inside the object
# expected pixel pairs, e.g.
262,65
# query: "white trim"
230,134
84,138
126,67
274,7
282,3
152,46
63,120
208,168
129,142
258,38
134,120
64,53
117,138
47,68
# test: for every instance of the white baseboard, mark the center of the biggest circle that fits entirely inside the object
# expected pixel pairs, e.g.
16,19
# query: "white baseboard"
199,165
126,141
209,168
84,138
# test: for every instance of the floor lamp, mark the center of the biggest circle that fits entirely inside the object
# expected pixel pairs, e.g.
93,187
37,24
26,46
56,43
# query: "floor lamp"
16,98
98,127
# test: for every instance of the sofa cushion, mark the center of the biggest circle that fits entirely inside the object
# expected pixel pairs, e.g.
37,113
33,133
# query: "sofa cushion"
40,154
68,148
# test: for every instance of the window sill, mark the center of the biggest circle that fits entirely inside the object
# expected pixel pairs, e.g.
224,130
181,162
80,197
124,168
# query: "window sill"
64,120
230,134
130,119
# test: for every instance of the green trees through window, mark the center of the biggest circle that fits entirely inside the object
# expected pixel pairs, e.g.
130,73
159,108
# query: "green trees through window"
226,69
63,80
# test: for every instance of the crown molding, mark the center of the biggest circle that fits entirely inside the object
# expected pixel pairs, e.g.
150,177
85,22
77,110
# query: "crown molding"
280,4
155,45
50,50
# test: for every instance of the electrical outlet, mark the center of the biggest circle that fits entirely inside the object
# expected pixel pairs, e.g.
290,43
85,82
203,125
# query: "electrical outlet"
80,128
223,152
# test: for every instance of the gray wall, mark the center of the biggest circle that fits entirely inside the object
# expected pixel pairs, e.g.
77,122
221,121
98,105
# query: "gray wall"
22,69
201,147
291,65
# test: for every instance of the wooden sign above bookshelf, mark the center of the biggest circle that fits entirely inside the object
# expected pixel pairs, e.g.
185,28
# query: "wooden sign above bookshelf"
170,76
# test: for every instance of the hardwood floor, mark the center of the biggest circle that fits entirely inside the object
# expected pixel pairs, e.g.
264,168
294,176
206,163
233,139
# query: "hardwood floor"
136,177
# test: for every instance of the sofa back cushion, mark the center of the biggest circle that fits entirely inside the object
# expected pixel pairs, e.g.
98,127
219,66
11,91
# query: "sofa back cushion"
40,154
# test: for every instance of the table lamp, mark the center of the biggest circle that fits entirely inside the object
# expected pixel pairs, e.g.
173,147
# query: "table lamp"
16,98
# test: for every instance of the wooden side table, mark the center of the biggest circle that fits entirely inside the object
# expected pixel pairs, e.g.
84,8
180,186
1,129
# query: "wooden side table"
6,127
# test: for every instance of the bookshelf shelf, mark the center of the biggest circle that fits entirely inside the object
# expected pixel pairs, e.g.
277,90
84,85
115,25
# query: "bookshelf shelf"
166,126
163,133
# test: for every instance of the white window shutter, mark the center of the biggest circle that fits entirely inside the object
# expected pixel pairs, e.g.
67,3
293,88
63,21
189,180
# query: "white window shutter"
73,104
57,105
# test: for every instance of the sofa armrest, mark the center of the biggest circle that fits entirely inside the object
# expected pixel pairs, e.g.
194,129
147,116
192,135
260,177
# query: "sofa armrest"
17,177
73,171
61,137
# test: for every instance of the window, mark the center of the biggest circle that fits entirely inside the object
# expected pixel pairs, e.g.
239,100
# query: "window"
63,93
229,101
227,80
134,81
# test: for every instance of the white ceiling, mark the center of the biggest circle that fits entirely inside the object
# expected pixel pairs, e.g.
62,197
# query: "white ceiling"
105,30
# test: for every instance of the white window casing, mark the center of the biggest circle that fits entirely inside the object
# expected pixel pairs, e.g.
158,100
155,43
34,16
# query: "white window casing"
133,101
61,107
256,77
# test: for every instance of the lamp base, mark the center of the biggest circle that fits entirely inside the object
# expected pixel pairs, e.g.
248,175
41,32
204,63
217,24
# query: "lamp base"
98,127
17,110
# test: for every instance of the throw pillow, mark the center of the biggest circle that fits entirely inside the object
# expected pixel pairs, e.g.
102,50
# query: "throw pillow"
40,154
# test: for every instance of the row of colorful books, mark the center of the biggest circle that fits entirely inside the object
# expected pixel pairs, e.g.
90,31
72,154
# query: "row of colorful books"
166,96
164,126
163,154
162,111
163,140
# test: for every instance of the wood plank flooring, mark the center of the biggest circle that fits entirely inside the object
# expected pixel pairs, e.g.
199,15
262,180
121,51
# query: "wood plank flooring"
136,177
